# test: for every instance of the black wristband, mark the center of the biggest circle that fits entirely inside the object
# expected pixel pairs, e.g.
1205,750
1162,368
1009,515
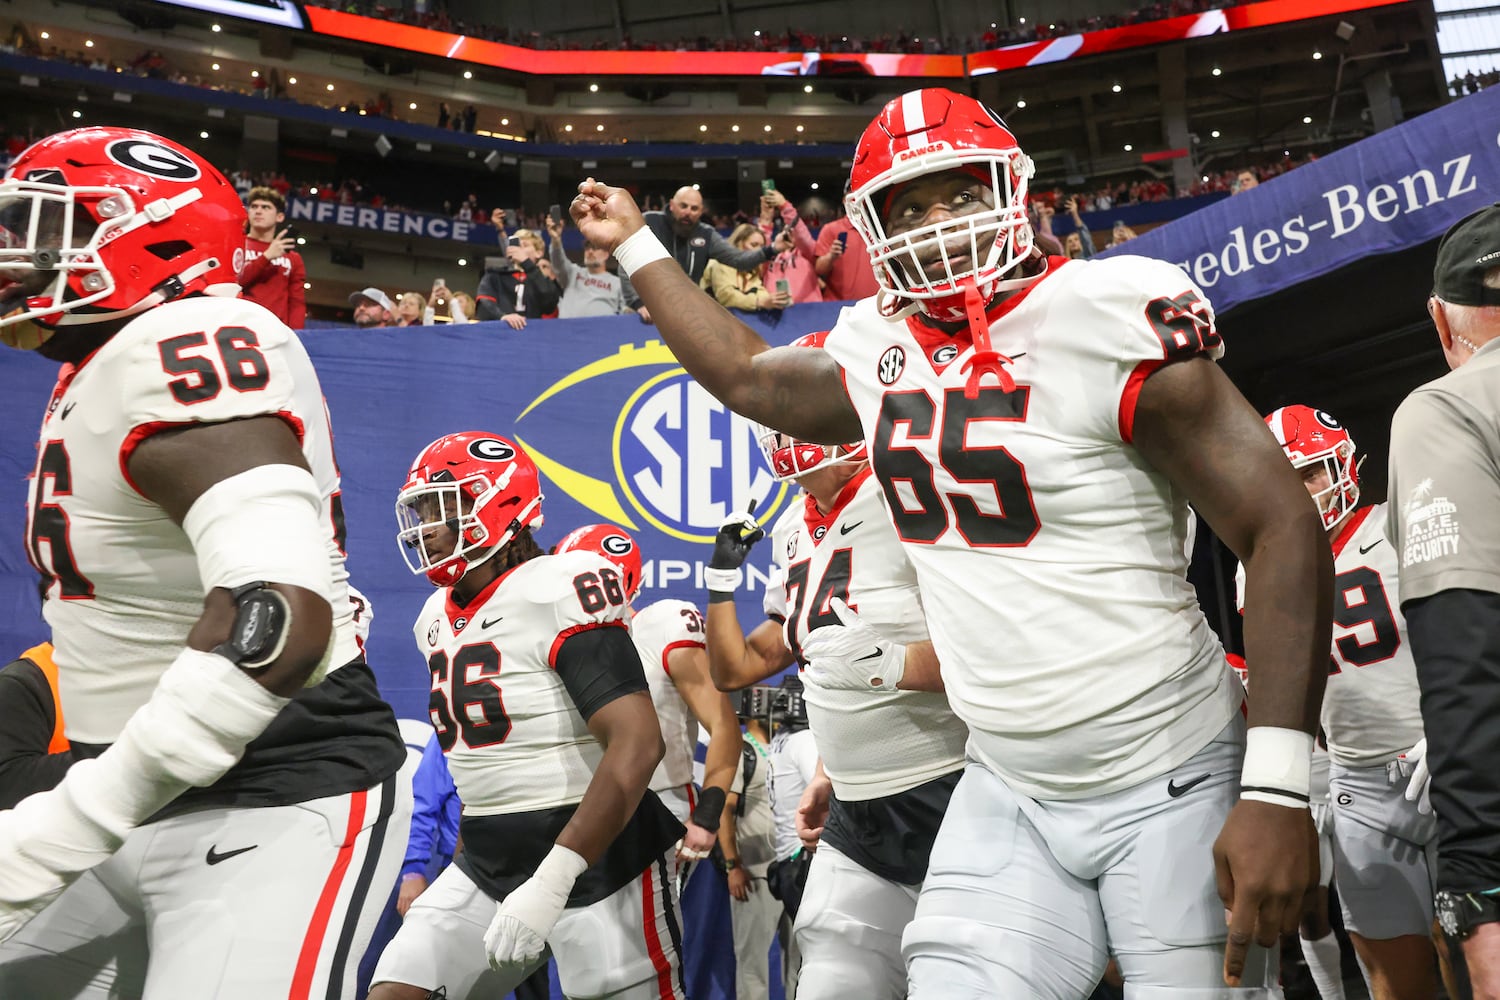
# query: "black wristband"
710,809
719,596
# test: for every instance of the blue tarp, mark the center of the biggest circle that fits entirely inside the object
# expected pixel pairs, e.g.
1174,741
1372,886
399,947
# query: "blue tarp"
1396,189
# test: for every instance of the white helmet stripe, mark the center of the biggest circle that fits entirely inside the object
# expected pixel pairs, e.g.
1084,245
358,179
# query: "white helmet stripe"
912,116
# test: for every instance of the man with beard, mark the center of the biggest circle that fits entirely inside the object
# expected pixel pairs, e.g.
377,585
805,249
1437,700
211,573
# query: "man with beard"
693,243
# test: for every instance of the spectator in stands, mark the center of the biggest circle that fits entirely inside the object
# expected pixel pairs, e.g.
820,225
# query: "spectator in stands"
461,308
693,243
589,290
844,263
1121,234
1244,181
411,310
737,289
522,290
1079,244
273,275
794,269
471,116
373,309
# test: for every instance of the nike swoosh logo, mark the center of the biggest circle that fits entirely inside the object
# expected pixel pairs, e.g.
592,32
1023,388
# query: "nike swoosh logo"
870,656
844,529
67,410
1366,548
214,857
491,622
1174,789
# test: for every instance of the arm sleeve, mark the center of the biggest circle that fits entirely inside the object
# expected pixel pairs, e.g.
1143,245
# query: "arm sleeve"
27,718
428,791
255,272
719,249
296,306
598,665
1443,518
487,301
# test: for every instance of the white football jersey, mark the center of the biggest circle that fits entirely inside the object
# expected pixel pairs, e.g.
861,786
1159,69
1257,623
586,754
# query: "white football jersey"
658,630
514,739
125,587
1372,709
1051,556
873,743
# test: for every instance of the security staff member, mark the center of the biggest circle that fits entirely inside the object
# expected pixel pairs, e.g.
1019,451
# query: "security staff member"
34,753
1444,521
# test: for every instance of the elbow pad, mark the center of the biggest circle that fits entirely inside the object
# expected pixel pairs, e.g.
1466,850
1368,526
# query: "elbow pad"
264,524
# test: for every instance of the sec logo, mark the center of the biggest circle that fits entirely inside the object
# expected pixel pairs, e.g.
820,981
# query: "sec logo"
684,461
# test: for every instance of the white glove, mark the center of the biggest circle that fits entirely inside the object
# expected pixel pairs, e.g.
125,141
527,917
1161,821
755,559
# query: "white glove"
518,935
1414,763
852,656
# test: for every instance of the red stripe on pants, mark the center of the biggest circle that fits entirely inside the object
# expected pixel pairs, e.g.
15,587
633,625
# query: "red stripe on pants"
317,930
653,939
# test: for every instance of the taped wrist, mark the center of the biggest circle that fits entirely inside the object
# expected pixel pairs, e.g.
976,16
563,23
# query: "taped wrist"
639,249
1278,767
723,581
710,809
193,729
559,870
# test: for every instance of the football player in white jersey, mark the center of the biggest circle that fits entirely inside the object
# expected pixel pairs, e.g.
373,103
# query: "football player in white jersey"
1038,427
670,637
891,758
541,706
239,796
1384,842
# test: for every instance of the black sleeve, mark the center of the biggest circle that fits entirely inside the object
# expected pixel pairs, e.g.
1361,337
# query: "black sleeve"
27,717
1455,640
492,301
598,665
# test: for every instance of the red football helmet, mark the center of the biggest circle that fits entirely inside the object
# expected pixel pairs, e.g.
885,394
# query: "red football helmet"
614,544
481,486
1307,436
101,223
926,132
790,458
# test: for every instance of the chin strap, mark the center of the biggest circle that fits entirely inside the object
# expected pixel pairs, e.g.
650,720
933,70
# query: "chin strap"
985,360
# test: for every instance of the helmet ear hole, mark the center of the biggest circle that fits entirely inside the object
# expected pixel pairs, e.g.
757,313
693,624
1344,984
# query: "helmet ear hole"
169,249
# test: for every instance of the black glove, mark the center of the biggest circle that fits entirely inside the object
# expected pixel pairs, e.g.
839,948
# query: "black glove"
737,535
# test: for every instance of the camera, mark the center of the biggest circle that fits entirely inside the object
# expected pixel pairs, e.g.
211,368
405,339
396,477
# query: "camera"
781,705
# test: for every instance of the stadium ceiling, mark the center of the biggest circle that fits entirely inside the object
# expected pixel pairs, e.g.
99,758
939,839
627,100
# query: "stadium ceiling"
1245,95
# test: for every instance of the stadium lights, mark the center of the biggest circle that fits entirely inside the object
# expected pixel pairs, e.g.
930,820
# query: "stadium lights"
88,43
702,128
1214,134
413,105
468,75
807,88
567,128
593,88
312,190
203,135
1317,54
255,74
1020,102
599,127
768,128
1116,88
1217,71
45,36
463,262
734,128
799,128
302,241
814,185
1129,147
1307,119
215,67
505,121
330,86
306,285
291,79
215,28
77,113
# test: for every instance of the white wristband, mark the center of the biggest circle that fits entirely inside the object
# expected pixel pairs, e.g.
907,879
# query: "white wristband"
1278,766
560,869
639,249
723,581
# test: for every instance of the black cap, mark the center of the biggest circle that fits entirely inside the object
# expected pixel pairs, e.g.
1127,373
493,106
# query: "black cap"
1466,252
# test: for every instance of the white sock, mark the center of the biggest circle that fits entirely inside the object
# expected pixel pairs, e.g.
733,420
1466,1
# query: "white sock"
1326,966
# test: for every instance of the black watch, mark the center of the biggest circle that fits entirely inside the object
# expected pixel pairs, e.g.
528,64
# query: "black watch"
730,864
1460,912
